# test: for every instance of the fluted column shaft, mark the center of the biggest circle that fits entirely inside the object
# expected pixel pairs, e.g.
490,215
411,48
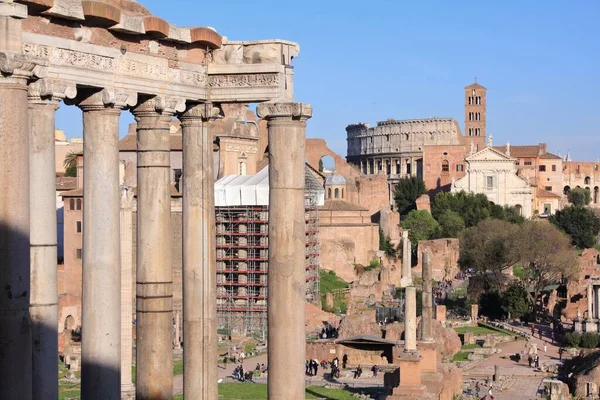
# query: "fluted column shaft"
590,296
15,322
101,302
154,291
286,124
199,258
427,300
44,96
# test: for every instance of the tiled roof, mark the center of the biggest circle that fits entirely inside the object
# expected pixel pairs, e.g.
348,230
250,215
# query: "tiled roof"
474,86
66,182
550,156
129,143
73,193
341,205
521,151
545,194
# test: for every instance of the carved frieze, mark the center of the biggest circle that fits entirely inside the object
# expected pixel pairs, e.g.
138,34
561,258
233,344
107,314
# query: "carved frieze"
284,110
58,56
246,80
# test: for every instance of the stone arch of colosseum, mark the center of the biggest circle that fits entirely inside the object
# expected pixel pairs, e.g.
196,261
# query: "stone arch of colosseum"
108,57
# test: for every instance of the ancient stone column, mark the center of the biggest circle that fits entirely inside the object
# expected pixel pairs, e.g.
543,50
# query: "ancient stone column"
44,96
154,291
286,123
15,322
126,237
199,258
406,279
101,283
427,300
597,301
177,337
410,320
590,296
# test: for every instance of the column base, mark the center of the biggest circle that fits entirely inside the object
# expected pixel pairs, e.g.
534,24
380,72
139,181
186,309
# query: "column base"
127,391
428,351
590,325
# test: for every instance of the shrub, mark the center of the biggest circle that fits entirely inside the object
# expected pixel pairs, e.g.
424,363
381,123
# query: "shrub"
572,339
589,340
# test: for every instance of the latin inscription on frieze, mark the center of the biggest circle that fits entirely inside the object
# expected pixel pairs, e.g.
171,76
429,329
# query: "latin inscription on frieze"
248,80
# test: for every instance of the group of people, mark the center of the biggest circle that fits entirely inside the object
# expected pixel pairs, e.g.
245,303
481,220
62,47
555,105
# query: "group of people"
441,291
243,375
329,332
534,360
312,367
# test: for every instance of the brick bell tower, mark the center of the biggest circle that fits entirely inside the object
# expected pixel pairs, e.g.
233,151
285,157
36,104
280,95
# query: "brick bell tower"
475,104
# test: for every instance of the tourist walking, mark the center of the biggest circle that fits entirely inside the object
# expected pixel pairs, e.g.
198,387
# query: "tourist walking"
344,360
545,348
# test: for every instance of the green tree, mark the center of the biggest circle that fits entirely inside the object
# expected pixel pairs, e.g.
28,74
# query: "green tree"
580,223
451,223
321,166
487,247
515,300
546,255
472,208
580,197
421,226
385,244
406,192
70,164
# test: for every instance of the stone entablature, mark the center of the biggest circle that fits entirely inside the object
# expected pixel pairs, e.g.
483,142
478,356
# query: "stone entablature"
192,63
401,136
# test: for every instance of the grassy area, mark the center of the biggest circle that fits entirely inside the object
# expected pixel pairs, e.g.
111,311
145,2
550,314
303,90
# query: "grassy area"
470,346
479,330
248,391
177,369
461,356
330,281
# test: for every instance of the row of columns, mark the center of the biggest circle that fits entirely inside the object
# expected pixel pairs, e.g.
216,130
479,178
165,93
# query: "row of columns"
365,165
593,301
28,306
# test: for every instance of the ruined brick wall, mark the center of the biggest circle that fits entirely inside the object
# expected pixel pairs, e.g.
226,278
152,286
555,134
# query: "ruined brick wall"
577,288
434,176
444,257
344,245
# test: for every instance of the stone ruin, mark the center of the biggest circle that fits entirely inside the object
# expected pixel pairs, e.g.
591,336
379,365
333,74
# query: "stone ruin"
107,57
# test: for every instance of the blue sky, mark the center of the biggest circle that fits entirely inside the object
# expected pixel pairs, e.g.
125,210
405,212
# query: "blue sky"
369,61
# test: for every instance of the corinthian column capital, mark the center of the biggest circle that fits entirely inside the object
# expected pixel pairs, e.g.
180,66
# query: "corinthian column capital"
52,90
285,111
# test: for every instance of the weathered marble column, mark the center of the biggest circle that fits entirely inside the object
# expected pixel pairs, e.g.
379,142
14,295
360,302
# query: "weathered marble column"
101,283
15,322
597,301
406,277
427,300
177,337
286,123
154,292
410,320
44,96
199,258
590,296
126,237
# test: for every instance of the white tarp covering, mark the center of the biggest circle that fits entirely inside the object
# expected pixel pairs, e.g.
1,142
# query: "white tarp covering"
253,190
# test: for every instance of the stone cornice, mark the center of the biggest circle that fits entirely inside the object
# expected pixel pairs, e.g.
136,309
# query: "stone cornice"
113,17
292,111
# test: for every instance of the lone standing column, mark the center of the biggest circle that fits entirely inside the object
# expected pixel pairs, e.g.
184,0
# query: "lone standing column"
101,303
406,279
127,388
15,322
154,323
427,314
287,276
410,320
199,258
590,296
44,96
